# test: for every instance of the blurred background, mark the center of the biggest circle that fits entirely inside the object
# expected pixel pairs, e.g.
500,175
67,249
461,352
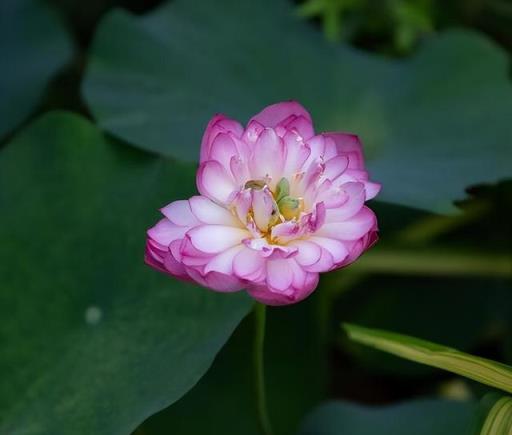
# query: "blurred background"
393,28
445,277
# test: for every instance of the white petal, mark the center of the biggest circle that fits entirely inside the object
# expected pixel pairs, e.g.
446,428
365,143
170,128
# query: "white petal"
164,232
214,182
212,239
268,156
222,149
274,114
248,264
209,212
179,213
351,229
223,262
280,275
309,253
372,189
335,167
337,249
356,196
262,206
296,154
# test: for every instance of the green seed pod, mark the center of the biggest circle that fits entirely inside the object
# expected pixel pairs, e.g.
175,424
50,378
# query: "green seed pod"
289,207
282,189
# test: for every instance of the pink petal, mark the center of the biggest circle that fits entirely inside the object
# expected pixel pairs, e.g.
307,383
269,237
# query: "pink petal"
314,220
335,167
361,245
263,294
301,125
317,146
239,170
280,275
372,189
222,149
303,282
213,239
272,115
223,262
297,152
175,248
329,194
286,231
312,175
218,124
351,175
189,255
252,132
242,203
164,232
284,251
208,212
174,267
267,159
214,182
307,287
356,196
262,206
159,251
270,251
335,248
222,282
351,229
331,150
325,262
197,276
309,252
357,247
179,213
248,264
349,145
154,261
242,147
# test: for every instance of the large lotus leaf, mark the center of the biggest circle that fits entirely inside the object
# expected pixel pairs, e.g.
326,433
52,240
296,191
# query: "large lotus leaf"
294,371
33,46
420,417
432,124
92,340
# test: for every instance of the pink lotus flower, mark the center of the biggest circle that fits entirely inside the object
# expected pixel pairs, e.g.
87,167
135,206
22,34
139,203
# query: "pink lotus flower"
278,206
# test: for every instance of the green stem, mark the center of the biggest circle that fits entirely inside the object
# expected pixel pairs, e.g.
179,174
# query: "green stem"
259,375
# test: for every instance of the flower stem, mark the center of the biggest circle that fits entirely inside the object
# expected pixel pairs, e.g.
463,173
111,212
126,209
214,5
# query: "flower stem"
259,342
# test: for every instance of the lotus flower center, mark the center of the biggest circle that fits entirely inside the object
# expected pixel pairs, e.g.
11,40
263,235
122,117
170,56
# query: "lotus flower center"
285,207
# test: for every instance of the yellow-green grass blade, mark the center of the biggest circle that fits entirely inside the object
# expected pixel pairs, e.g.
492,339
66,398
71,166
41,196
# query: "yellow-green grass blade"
499,418
483,370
